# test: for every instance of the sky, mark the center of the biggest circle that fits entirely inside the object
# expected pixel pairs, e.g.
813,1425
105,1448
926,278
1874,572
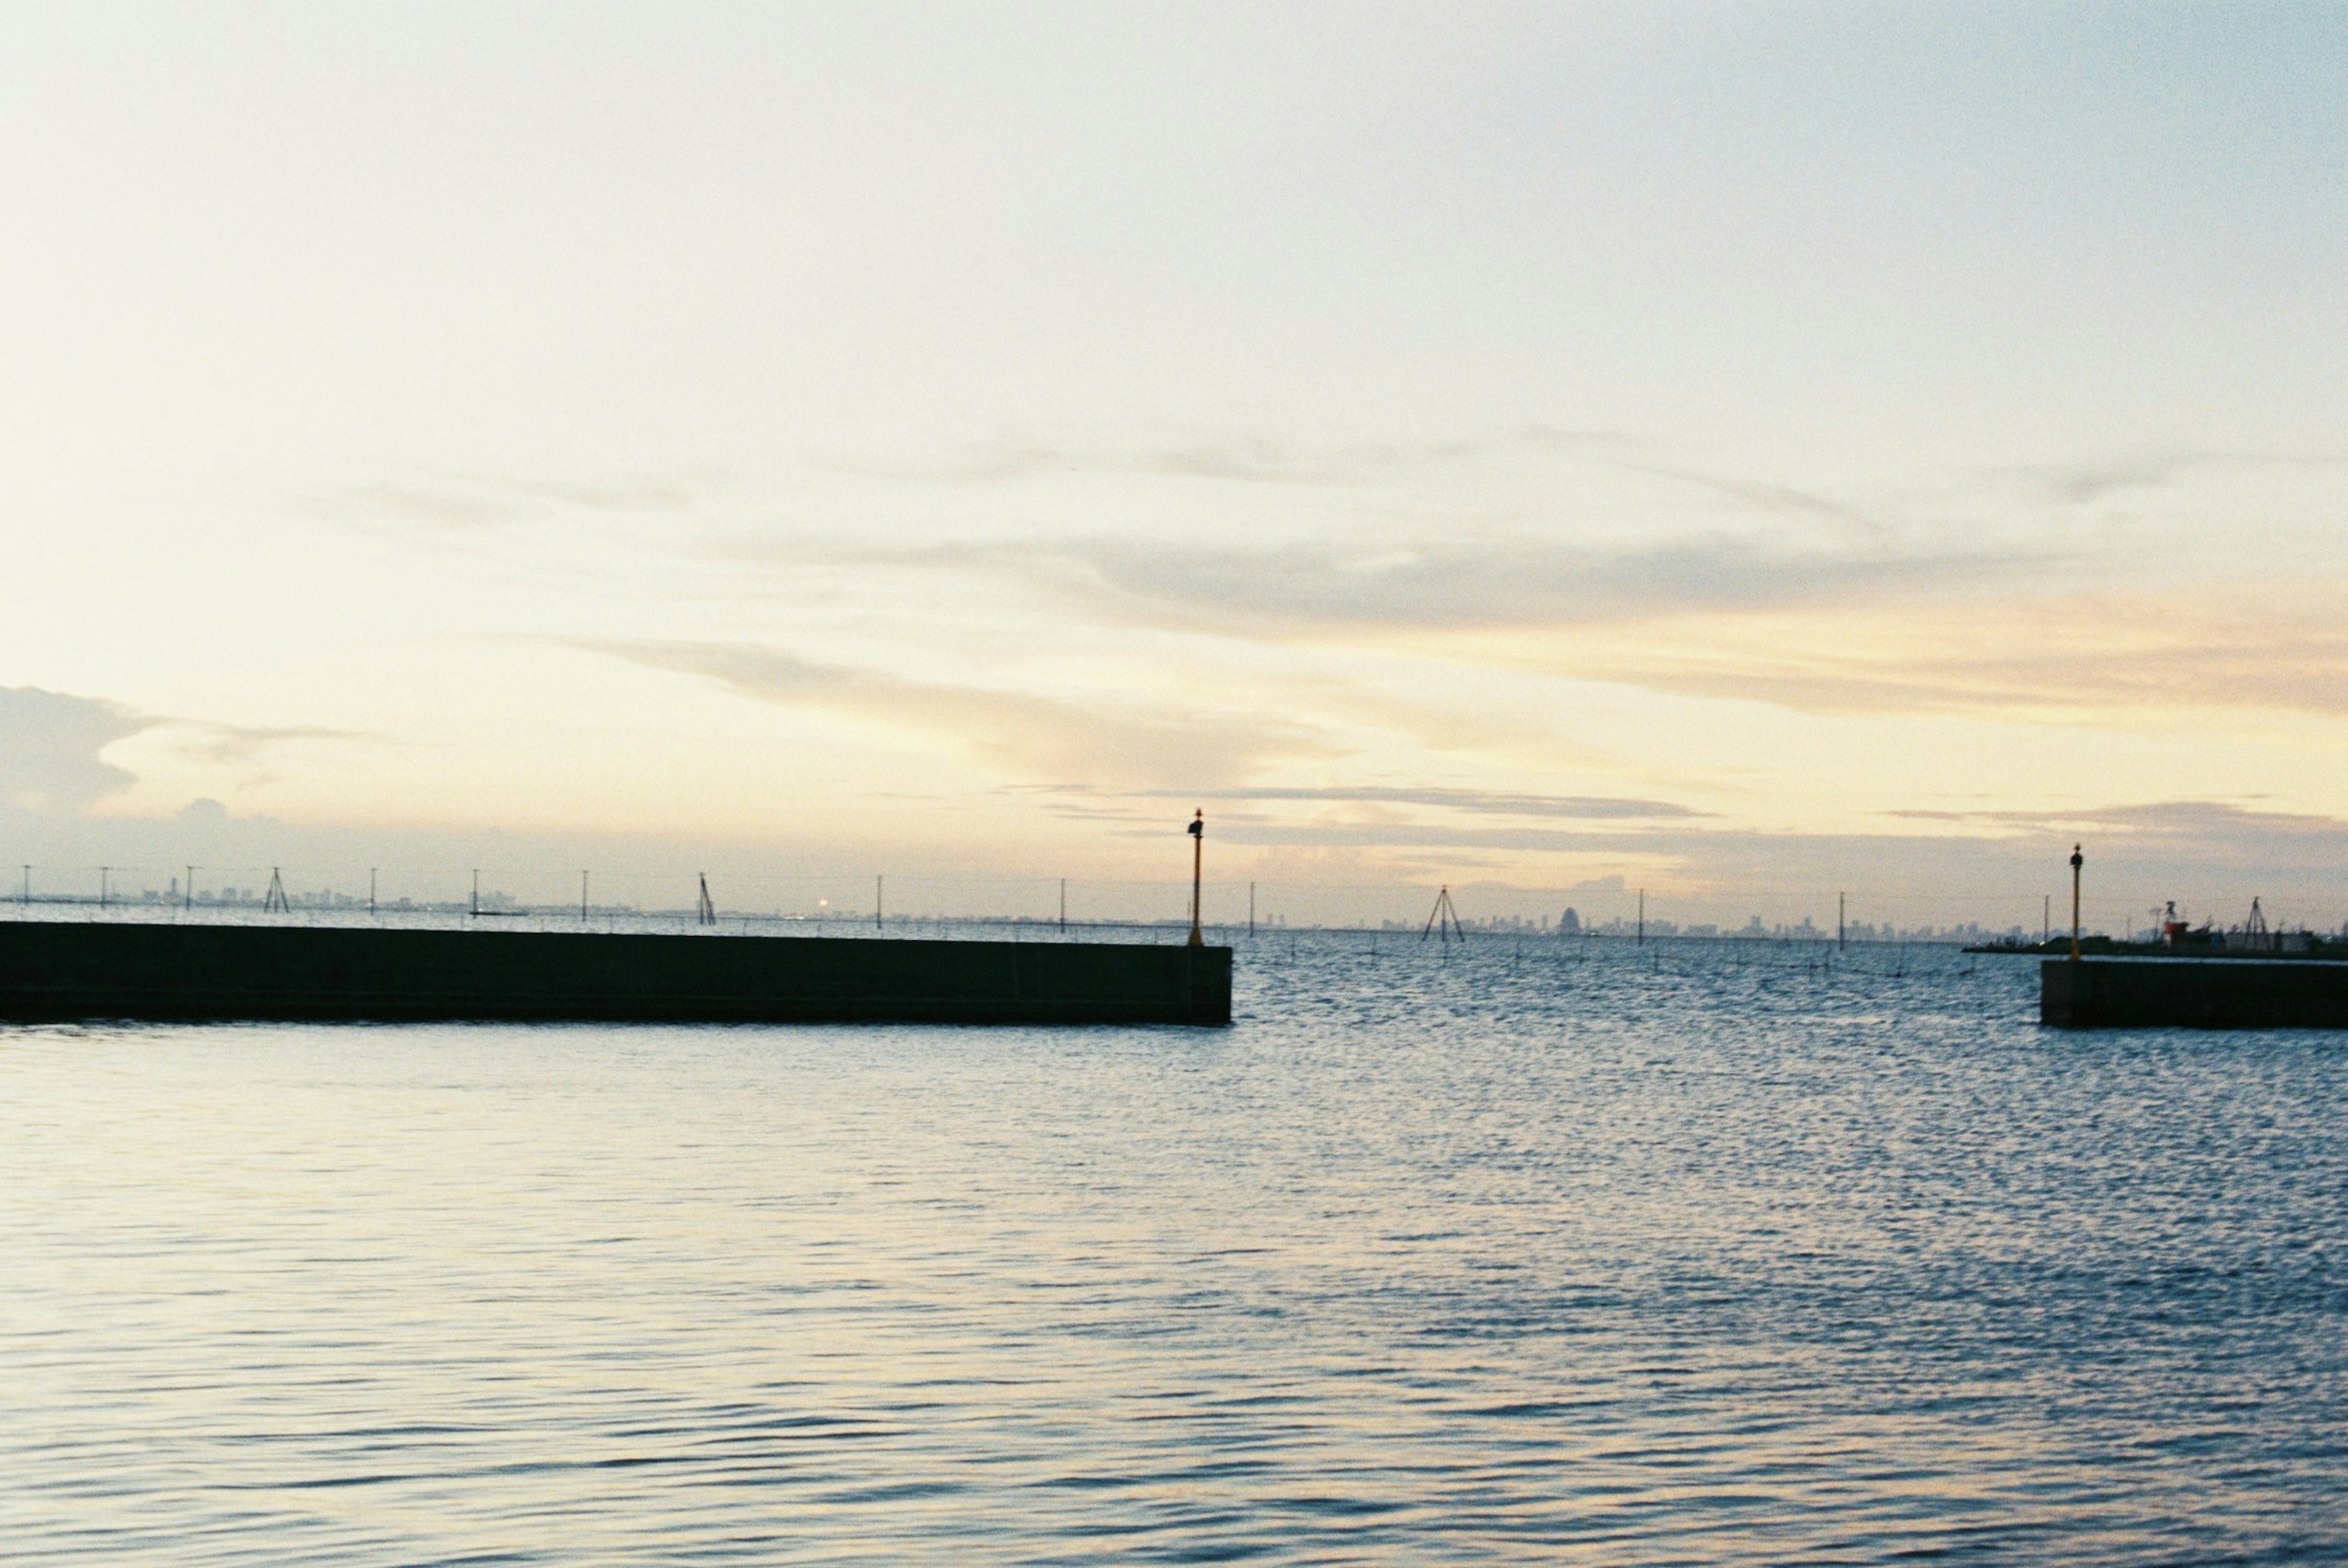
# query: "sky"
1746,452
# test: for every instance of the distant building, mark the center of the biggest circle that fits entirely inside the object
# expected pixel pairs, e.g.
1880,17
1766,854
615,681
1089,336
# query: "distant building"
1570,926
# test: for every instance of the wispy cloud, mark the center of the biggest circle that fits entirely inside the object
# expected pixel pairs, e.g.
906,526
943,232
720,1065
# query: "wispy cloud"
1400,583
1263,460
1981,870
2085,484
1098,739
245,745
1990,866
1513,581
1856,626
1239,459
471,503
1483,802
623,496
2164,820
429,507
2281,647
1766,498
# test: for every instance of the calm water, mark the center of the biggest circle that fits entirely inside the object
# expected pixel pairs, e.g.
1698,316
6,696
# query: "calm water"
1697,1253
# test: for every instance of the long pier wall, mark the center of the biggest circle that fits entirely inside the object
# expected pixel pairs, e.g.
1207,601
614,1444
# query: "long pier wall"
63,969
2192,993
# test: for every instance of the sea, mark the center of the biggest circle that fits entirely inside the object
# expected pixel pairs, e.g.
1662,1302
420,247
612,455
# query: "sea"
1514,1250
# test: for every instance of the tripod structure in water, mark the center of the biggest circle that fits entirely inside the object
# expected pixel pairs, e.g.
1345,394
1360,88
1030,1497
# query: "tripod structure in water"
1444,922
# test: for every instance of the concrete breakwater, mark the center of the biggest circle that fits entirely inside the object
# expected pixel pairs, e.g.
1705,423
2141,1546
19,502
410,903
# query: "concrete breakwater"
58,969
2192,993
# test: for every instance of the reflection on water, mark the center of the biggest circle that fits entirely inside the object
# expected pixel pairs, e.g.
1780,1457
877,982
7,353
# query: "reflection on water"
1585,1254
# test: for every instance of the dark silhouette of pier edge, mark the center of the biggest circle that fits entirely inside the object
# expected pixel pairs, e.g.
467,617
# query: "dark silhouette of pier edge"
2191,992
61,970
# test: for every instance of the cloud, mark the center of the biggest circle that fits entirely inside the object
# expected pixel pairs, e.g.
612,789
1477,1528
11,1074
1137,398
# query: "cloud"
1991,866
2278,646
1492,803
1975,874
1499,580
2219,851
627,496
445,509
1263,460
50,744
1540,527
1422,835
1240,459
1766,498
2085,484
1849,628
243,745
469,505
1401,584
1019,734
1871,630
2161,821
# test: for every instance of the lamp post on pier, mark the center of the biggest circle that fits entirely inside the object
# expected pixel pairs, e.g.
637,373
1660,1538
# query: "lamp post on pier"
2077,860
1198,863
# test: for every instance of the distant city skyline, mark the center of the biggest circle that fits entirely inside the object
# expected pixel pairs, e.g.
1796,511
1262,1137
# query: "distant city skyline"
1739,452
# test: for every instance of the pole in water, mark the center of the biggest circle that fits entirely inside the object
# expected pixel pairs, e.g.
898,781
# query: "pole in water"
188,897
1198,862
1841,906
371,870
2077,860
477,892
1643,917
704,911
102,872
1250,908
876,882
274,900
583,896
1064,903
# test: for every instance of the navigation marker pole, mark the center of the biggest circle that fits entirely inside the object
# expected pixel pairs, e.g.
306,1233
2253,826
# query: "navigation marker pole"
1198,861
2077,860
